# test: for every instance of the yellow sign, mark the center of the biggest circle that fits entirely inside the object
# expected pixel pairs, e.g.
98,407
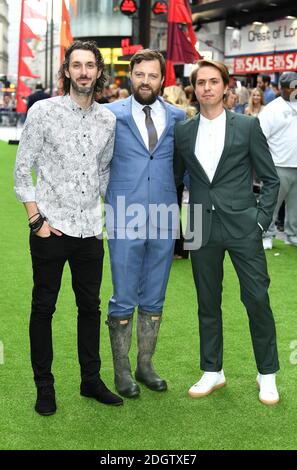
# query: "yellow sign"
110,56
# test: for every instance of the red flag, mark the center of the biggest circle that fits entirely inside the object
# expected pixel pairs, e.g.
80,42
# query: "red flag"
27,33
65,34
181,38
65,13
29,13
23,89
26,51
24,70
170,73
21,105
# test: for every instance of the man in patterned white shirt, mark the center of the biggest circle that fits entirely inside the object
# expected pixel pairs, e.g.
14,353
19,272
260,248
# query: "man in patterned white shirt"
68,140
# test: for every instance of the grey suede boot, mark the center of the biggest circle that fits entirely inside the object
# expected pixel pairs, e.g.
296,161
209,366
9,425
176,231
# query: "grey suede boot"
120,333
147,333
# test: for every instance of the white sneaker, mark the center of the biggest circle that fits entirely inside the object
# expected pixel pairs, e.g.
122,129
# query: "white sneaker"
267,243
268,391
209,382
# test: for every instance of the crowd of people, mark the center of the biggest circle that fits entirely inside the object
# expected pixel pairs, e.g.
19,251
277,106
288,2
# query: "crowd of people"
7,110
136,151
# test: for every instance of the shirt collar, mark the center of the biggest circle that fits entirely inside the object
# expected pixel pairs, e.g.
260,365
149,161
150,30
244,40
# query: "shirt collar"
76,107
139,107
216,121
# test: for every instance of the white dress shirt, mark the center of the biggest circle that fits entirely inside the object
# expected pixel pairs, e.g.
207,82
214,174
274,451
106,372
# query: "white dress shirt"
158,114
210,142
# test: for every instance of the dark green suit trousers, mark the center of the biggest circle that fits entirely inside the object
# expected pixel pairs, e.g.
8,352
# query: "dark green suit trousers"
249,261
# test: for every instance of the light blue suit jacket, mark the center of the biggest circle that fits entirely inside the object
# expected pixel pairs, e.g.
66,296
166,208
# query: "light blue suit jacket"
142,177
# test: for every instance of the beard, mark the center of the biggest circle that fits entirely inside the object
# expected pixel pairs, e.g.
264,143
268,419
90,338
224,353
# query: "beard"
83,90
146,99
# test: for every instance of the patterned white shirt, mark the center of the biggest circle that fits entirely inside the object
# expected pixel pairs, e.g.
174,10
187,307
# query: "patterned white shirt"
70,149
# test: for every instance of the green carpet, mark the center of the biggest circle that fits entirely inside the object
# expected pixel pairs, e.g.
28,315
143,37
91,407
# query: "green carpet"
231,418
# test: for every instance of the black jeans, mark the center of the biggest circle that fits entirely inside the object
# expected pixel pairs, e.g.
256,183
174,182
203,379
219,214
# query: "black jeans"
85,258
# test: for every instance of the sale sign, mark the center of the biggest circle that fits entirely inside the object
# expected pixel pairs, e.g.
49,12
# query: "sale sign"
268,63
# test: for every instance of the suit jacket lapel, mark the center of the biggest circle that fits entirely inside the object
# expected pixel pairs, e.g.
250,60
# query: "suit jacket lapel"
192,141
229,135
168,123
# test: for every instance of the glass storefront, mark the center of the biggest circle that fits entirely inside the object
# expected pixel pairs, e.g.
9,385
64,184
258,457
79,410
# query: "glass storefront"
100,18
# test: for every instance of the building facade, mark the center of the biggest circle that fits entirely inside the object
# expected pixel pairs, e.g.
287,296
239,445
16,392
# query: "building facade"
251,36
102,21
3,37
269,48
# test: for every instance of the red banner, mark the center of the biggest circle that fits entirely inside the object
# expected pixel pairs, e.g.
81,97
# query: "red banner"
181,38
28,33
29,13
26,51
266,63
65,33
23,89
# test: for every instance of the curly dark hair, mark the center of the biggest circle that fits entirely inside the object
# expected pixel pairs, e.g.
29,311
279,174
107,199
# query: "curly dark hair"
86,46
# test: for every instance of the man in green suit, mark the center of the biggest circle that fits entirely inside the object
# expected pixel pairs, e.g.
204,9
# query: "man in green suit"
221,150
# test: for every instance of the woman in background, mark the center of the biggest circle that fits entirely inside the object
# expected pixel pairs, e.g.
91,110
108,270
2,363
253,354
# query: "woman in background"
256,102
175,95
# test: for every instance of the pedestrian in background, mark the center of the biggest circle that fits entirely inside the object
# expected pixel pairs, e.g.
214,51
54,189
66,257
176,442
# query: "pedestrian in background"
279,124
263,82
38,95
230,99
256,103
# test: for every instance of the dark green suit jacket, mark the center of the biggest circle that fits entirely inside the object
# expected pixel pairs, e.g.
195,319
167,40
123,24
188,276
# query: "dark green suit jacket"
231,190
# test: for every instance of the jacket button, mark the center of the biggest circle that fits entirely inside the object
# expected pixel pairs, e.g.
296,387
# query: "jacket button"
151,157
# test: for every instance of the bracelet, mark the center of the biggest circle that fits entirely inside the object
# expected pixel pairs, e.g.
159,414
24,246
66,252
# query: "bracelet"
37,213
37,224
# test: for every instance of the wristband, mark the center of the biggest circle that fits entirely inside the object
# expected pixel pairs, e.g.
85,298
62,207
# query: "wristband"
37,224
37,213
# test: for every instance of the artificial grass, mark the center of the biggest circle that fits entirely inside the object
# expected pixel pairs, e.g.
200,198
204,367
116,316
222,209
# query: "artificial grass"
230,418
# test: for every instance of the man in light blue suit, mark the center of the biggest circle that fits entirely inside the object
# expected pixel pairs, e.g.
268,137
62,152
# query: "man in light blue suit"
141,235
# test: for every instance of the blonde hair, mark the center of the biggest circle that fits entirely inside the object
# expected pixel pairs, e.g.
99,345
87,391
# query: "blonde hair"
123,93
251,104
175,95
